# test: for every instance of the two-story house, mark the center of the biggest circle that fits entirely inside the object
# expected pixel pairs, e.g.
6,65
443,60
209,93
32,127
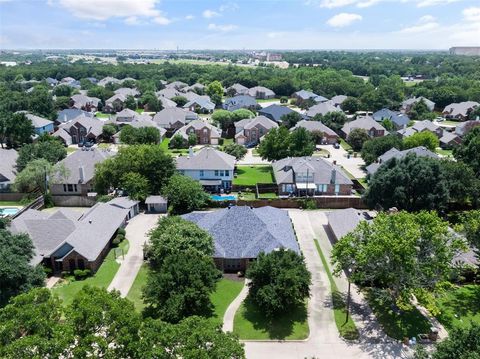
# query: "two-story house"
174,118
206,133
250,130
213,168
85,103
80,130
310,176
367,123
40,124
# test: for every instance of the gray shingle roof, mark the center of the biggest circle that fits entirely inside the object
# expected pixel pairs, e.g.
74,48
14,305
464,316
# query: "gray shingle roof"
420,126
449,137
394,153
106,80
201,101
38,121
207,158
176,85
166,103
244,232
322,108
198,125
366,123
169,116
82,100
83,159
275,112
460,109
338,100
8,165
126,91
254,91
155,199
123,202
344,221
462,128
411,101
70,114
315,126
240,101
169,93
238,88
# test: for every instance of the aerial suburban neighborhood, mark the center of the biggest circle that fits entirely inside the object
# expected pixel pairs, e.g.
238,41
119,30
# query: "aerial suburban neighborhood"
237,203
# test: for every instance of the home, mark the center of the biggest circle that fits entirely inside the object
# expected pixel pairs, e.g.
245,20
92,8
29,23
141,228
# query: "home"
399,120
66,240
131,205
126,91
8,171
108,80
174,118
240,101
460,111
275,112
70,114
260,92
206,133
394,153
115,103
51,81
191,96
201,104
196,87
449,140
249,131
177,85
343,221
85,103
156,204
126,115
338,100
213,168
303,96
71,82
169,93
80,171
409,103
426,125
322,109
367,123
241,233
463,128
236,89
309,176
41,125
166,103
80,130
328,135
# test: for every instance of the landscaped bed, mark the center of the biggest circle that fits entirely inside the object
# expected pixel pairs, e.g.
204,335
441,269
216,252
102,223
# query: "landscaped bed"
251,175
459,306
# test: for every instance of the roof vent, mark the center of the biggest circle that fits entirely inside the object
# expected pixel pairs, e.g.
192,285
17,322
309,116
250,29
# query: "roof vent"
90,221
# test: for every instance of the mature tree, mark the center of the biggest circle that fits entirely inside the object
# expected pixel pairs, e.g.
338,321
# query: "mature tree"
469,150
333,120
300,143
377,146
61,103
103,93
388,124
108,131
180,100
470,226
47,147
40,101
181,286
34,175
136,185
412,183
192,139
223,119
291,119
131,103
15,129
280,281
63,90
150,102
275,144
16,273
236,150
139,136
350,105
420,112
185,194
150,161
475,114
463,186
357,137
215,91
425,138
241,114
400,253
177,141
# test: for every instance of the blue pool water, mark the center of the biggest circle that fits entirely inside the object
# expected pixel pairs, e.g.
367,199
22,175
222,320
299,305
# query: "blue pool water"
215,197
8,211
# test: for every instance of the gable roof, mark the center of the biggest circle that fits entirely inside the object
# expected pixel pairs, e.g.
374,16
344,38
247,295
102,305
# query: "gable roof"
168,116
166,103
314,126
364,122
238,88
344,221
70,114
93,125
198,125
117,97
463,128
460,109
420,151
245,232
8,165
201,101
411,101
83,159
240,101
449,137
322,108
169,93
275,112
207,158
254,91
37,121
106,80
420,126
338,99
176,85
83,100
126,91
399,119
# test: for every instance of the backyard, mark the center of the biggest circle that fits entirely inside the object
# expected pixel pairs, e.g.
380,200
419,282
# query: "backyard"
459,306
251,175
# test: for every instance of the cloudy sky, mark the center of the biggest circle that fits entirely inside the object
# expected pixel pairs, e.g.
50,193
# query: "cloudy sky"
262,24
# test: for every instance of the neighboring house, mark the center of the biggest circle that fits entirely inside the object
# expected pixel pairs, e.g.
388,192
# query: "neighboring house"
213,168
108,80
70,81
275,112
51,81
93,80
81,129
338,100
426,125
126,91
116,103
196,87
8,165
126,115
303,96
399,120
177,85
308,176
344,221
409,103
156,204
80,168
241,233
166,103
126,203
260,92
237,89
367,123
240,101
174,118
201,104
460,111
449,140
191,96
41,125
394,153
329,136
463,128
85,103
322,109
406,132
66,240
250,130
169,93
206,133
70,114
138,122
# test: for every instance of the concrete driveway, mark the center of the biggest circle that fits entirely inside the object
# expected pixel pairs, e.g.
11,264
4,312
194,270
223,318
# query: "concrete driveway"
250,159
137,230
352,165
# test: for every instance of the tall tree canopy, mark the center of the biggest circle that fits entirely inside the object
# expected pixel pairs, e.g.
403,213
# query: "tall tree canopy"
377,146
279,143
185,194
469,150
47,147
426,139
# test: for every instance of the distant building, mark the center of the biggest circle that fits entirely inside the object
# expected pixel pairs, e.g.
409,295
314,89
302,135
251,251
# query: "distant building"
465,50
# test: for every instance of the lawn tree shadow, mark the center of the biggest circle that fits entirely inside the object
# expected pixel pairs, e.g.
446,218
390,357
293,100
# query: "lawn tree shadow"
279,327
464,302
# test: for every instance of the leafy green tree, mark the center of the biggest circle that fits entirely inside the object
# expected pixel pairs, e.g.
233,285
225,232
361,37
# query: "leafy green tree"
215,91
103,93
181,286
463,186
63,90
40,101
185,194
351,105
136,186
51,150
33,176
388,124
357,137
192,139
17,275
301,143
412,183
400,253
180,100
131,103
470,226
241,114
290,120
15,129
425,138
108,131
177,141
236,150
377,146
130,135
61,103
420,112
333,120
150,102
280,281
469,150
223,119
275,144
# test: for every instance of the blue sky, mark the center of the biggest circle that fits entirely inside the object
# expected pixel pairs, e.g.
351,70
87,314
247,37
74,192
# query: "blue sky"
265,24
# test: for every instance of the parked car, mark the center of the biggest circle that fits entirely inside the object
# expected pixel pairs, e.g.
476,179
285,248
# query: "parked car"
81,143
336,145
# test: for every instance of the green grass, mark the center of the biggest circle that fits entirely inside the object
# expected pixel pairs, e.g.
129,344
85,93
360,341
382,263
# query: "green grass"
408,323
345,145
363,182
139,110
103,145
444,152
71,149
251,323
268,195
459,306
251,175
347,329
227,290
261,100
102,278
135,293
164,145
102,115
227,141
10,203
247,196
450,123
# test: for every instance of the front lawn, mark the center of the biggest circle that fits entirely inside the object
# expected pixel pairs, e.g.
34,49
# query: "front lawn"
102,115
443,152
345,145
135,292
164,145
251,175
250,323
459,306
227,290
102,278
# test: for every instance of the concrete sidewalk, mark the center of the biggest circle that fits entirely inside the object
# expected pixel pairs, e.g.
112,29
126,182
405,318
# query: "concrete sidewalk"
229,315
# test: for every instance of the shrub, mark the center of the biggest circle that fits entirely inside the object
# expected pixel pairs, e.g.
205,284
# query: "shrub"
284,99
81,274
308,203
122,231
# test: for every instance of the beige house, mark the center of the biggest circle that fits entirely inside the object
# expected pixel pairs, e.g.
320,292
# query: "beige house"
250,130
206,133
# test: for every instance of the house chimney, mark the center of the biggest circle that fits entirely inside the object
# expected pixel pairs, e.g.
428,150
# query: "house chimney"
333,179
190,151
81,174
334,162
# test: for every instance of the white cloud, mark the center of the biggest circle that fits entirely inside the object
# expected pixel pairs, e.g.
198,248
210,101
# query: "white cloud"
471,14
189,17
426,19
105,9
231,6
208,14
331,4
132,20
161,20
424,24
425,3
222,28
343,19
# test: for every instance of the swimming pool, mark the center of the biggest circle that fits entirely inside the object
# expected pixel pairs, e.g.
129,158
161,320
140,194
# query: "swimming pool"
216,197
8,211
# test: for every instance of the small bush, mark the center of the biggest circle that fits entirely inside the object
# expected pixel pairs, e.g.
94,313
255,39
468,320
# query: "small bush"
81,274
48,271
104,198
118,239
308,204
122,231
220,142
284,99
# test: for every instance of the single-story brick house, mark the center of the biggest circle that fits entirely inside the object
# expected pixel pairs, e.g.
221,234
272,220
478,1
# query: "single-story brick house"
329,135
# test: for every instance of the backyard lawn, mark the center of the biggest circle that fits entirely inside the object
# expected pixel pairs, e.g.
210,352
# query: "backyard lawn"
459,306
444,152
268,195
135,293
164,146
227,290
251,175
10,203
102,115
251,323
67,290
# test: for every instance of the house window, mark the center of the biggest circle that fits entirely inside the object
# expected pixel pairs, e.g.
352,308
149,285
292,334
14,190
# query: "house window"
216,173
337,188
221,173
227,172
201,173
70,187
64,188
75,187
